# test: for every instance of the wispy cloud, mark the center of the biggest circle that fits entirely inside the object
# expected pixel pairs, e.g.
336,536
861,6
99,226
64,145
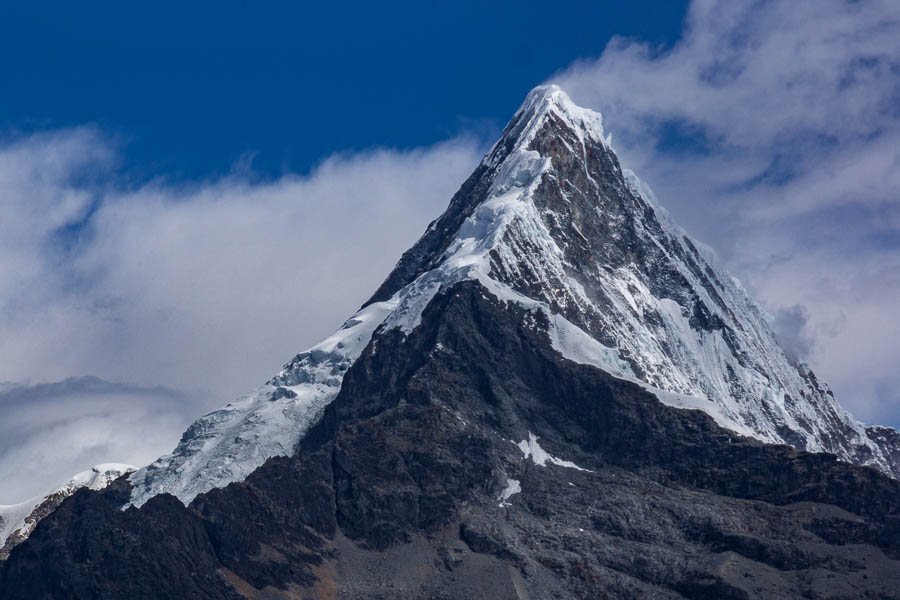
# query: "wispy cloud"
51,431
772,131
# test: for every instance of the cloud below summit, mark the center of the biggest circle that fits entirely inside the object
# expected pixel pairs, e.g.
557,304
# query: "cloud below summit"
771,130
210,285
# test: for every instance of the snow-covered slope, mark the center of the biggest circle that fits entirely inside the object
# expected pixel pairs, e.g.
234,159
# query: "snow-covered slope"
17,521
549,220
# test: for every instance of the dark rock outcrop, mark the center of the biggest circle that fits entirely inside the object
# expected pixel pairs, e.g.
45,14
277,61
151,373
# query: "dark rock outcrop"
399,493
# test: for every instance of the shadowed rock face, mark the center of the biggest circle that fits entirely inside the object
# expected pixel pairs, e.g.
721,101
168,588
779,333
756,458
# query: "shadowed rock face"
49,504
402,491
36,509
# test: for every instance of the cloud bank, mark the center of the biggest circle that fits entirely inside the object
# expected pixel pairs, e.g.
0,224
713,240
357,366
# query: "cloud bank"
772,132
212,285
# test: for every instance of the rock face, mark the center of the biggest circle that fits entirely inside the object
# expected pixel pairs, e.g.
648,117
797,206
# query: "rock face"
507,418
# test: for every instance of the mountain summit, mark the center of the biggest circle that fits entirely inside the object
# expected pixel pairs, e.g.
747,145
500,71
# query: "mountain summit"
555,393
551,216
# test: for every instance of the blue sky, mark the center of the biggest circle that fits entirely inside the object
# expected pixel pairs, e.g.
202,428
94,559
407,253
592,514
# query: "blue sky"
191,87
192,193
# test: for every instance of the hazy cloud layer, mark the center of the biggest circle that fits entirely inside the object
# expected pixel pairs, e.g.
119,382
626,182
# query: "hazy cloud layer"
50,432
208,286
772,131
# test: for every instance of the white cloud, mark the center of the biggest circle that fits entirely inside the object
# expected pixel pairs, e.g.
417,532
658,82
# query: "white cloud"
212,285
772,131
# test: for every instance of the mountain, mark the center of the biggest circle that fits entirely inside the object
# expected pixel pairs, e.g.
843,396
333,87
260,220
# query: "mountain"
555,393
550,221
17,521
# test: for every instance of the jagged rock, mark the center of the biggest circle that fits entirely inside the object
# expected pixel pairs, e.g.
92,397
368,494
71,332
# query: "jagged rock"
19,520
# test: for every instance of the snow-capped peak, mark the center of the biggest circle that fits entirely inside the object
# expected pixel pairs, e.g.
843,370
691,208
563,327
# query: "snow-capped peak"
543,103
550,221
555,223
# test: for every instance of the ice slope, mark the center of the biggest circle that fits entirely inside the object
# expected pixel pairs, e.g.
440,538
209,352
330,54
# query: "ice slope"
20,519
550,221
228,444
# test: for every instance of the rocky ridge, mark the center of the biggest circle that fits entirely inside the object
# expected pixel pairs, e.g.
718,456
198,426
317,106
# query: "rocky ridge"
470,459
17,521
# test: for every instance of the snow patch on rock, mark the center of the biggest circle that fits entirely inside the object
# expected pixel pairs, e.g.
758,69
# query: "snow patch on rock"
531,449
513,486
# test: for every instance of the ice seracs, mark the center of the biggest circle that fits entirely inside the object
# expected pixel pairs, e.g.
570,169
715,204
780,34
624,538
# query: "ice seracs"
228,444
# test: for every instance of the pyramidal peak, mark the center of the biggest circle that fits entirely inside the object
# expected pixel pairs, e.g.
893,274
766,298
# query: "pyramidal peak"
551,223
